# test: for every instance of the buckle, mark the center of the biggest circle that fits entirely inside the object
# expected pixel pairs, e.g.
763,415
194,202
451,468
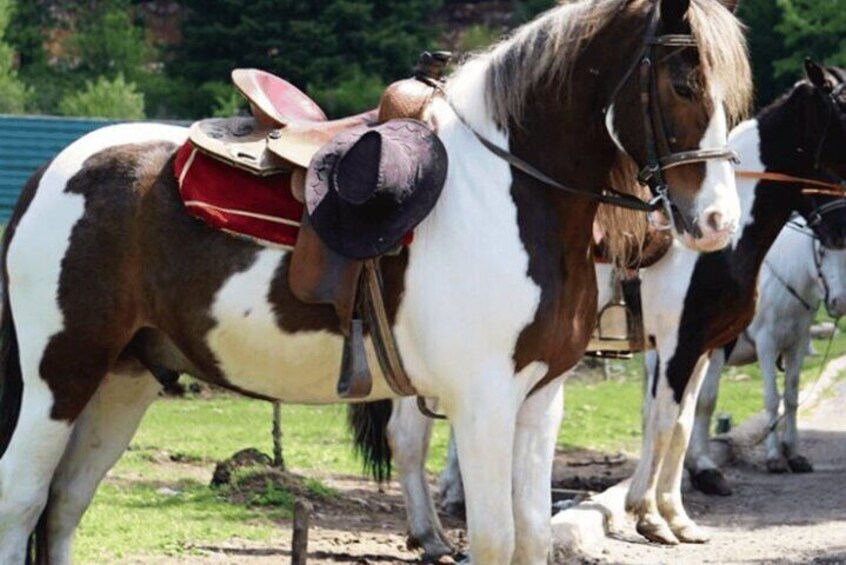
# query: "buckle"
648,173
662,200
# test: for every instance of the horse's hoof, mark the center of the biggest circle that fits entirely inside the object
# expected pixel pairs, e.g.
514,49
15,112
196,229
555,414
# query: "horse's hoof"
711,481
455,509
778,466
690,533
658,532
800,464
434,548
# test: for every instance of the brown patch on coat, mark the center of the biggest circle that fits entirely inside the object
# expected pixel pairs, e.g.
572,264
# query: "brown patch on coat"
556,227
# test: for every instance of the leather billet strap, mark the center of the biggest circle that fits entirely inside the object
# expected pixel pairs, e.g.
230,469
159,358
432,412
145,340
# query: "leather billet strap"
384,341
839,189
810,186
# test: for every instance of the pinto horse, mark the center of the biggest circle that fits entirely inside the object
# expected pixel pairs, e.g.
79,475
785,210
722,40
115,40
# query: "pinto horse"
109,282
691,304
790,293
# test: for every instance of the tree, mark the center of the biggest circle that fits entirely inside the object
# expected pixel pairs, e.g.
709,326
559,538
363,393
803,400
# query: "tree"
105,98
13,93
319,43
766,46
812,28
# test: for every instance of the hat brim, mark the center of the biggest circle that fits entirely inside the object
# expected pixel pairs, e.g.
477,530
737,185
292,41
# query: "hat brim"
353,234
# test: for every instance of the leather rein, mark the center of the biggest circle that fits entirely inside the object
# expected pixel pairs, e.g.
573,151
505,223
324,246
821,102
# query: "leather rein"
660,157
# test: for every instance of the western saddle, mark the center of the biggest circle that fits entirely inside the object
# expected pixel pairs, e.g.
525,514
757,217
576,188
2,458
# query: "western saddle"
286,130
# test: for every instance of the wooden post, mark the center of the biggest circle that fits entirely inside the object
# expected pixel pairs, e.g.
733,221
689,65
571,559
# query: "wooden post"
299,543
278,462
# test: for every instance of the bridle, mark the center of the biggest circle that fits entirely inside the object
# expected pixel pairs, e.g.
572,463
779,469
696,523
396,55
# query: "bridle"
659,154
817,252
660,157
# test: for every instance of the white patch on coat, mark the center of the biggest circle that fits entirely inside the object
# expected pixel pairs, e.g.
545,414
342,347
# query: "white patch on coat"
255,354
468,294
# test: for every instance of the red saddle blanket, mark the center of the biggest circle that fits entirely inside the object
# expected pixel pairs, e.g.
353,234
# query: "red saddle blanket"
227,198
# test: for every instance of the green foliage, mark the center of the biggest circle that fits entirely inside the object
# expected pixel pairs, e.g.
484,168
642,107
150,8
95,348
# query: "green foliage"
812,29
13,93
333,46
105,98
355,94
477,37
526,10
766,46
106,41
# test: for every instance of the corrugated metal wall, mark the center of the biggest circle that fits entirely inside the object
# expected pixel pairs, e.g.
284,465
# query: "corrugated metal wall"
26,143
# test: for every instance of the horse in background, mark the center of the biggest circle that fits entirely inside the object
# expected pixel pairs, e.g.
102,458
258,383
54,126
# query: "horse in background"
686,307
110,281
789,296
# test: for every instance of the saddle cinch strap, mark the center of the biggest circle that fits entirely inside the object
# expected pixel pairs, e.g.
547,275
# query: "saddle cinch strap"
353,286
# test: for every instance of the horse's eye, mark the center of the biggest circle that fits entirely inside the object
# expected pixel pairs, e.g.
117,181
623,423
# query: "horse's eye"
684,90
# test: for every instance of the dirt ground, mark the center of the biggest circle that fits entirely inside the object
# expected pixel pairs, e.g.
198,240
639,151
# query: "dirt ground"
365,526
770,518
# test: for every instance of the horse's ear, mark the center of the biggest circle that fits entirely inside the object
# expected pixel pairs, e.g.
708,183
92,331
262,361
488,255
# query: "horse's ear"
673,11
819,76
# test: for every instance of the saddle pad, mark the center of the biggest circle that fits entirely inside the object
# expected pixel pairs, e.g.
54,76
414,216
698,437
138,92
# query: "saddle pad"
227,198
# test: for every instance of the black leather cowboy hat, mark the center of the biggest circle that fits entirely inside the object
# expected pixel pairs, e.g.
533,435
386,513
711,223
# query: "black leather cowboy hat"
369,186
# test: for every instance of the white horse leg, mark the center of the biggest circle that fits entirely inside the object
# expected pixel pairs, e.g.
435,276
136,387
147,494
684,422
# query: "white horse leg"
660,413
484,423
100,436
792,371
767,357
27,466
409,432
451,485
534,450
705,475
669,482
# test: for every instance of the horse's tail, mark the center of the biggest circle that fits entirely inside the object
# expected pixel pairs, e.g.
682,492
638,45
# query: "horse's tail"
369,423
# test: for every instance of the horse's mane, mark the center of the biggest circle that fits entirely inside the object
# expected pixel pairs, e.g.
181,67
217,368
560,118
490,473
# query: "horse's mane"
548,48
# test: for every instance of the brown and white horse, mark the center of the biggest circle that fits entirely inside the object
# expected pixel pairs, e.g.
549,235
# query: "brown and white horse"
695,303
110,282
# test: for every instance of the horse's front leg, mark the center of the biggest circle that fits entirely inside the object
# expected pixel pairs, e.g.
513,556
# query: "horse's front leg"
704,474
484,419
409,432
534,450
790,439
767,357
670,478
660,412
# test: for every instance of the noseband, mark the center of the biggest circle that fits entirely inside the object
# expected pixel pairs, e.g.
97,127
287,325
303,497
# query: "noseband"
659,154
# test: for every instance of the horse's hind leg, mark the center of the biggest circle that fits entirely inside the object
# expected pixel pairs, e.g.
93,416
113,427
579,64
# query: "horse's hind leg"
100,436
409,432
27,465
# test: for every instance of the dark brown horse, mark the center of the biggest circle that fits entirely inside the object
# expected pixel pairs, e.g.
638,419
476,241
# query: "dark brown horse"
109,282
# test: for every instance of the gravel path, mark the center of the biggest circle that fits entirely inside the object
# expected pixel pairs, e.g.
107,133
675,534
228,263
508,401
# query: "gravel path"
770,518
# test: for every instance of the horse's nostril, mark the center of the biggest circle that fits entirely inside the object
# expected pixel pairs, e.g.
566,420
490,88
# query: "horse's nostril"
714,221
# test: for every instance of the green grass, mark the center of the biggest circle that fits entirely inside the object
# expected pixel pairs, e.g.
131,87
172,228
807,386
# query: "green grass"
132,515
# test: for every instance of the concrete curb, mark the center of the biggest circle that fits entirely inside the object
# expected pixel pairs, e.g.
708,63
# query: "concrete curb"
587,523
